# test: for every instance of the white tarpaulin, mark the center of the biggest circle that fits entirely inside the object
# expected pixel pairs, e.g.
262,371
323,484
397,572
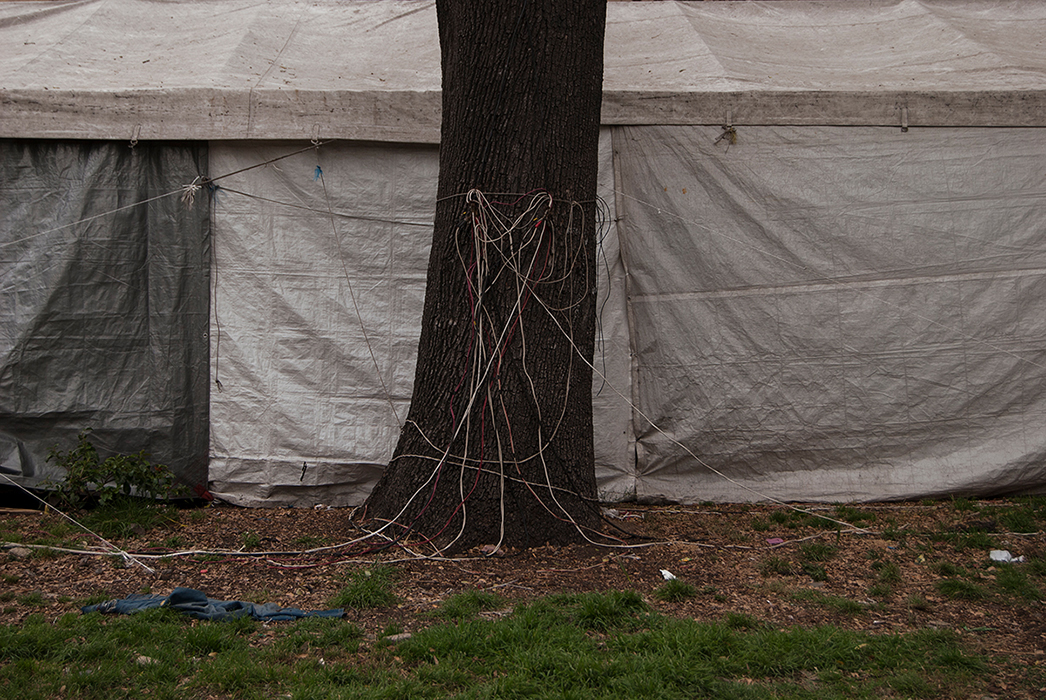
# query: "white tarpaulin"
829,284
842,314
316,321
245,69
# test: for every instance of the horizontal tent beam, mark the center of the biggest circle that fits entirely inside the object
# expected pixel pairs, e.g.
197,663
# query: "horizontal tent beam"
414,116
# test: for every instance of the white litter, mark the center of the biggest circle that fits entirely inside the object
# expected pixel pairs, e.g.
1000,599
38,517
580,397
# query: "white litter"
668,575
1001,555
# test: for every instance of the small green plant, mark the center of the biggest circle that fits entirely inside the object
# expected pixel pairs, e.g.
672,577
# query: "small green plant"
99,596
128,517
90,480
367,588
964,505
917,602
894,533
675,591
975,540
250,540
175,542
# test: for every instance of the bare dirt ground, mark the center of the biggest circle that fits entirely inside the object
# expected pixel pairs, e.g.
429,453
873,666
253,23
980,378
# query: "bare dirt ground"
752,559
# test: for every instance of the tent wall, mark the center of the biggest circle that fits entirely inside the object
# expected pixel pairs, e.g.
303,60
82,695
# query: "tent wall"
319,281
104,301
846,303
836,313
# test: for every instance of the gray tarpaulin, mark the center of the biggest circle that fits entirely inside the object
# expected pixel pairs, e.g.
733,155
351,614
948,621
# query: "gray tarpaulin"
846,303
837,314
104,303
316,321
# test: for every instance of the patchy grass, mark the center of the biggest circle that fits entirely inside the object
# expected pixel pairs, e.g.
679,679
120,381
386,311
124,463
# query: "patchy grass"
817,551
775,566
854,516
467,605
1017,582
674,591
960,589
839,604
367,588
598,645
124,518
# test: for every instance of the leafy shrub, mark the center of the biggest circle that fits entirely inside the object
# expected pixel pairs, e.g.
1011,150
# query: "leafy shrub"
90,480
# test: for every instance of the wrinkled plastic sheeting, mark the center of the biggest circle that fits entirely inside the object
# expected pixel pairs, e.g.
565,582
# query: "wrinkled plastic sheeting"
104,299
319,285
836,314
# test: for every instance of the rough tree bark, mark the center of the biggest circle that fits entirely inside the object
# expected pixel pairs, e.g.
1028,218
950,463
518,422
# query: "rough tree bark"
497,446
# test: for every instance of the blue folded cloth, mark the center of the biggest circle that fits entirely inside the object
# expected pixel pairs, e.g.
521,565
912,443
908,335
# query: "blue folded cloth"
196,604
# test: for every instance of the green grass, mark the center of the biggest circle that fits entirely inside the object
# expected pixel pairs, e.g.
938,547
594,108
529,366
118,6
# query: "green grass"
839,604
946,568
594,645
815,572
124,517
33,599
887,572
854,516
367,588
1016,581
675,591
1019,518
311,541
776,566
960,589
467,605
816,551
250,540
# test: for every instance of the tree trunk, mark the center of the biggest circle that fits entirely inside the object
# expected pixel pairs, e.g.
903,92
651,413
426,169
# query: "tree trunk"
497,447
